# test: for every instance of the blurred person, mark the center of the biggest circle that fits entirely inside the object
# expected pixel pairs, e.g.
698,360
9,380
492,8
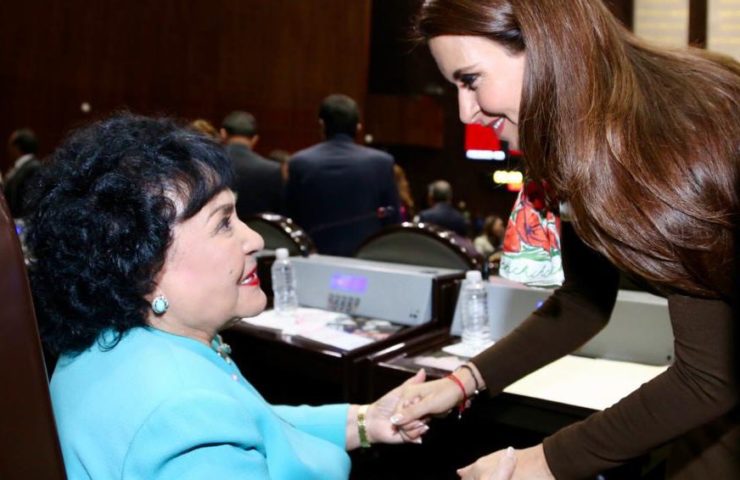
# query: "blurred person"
22,148
404,194
338,191
144,387
646,177
441,211
258,183
491,238
282,157
206,128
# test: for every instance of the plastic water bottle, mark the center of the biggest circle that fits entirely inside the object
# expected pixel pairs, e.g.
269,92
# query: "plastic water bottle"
285,299
476,331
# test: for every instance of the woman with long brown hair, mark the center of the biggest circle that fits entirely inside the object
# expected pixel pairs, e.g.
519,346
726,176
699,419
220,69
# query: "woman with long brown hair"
641,145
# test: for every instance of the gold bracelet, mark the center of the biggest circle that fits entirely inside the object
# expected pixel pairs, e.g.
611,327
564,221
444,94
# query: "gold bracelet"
361,427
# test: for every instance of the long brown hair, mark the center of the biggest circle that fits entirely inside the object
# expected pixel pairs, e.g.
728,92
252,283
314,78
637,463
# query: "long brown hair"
643,142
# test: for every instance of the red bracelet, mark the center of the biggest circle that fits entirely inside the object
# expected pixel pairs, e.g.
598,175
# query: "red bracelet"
464,403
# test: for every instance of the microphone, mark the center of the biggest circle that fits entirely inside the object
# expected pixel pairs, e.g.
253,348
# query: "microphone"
379,213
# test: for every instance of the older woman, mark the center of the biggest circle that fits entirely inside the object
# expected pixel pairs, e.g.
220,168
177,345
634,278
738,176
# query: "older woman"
140,260
641,144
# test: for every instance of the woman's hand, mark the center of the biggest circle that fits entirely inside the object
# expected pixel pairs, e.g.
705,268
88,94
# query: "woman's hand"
508,464
418,401
379,426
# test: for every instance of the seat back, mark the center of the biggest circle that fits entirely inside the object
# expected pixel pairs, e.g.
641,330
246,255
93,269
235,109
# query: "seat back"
280,232
29,446
421,244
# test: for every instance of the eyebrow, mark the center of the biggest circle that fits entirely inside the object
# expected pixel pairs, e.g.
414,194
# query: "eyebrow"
226,208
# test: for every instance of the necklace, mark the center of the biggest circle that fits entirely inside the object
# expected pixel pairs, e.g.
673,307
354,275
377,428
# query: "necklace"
223,349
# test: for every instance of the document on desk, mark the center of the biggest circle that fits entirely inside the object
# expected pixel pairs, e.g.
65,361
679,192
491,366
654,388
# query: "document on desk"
297,322
585,382
330,328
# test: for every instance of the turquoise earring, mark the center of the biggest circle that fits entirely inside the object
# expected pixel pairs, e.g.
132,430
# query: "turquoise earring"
160,304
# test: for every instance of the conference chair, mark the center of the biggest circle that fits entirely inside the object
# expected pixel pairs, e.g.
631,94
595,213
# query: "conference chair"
421,244
29,446
280,232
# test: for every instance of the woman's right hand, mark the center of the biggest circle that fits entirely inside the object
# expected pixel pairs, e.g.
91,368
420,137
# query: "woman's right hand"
421,400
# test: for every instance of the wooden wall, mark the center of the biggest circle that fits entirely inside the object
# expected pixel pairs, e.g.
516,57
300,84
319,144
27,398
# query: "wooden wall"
194,58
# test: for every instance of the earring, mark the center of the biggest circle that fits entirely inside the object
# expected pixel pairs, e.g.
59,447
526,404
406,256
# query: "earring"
160,304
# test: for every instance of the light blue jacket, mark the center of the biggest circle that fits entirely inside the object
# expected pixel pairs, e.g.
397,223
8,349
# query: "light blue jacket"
161,406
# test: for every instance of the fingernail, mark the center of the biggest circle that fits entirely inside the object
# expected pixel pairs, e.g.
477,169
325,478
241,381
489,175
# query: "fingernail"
510,452
417,441
425,428
396,419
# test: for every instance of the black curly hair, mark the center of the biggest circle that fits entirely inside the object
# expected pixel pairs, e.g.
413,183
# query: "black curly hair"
104,211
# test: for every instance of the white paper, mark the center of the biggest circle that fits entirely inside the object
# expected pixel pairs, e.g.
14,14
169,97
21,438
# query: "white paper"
311,323
336,338
300,321
586,382
448,362
463,350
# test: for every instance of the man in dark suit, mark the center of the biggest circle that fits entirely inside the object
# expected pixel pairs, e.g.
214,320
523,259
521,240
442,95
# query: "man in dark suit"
257,182
338,191
442,212
22,148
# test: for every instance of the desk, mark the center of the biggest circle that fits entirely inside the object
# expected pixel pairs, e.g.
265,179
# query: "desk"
294,369
558,394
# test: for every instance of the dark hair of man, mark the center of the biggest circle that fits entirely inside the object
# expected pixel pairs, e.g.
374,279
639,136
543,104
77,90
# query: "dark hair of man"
440,191
340,115
641,141
25,141
240,123
105,209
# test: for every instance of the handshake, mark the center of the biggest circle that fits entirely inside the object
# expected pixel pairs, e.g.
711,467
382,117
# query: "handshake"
402,416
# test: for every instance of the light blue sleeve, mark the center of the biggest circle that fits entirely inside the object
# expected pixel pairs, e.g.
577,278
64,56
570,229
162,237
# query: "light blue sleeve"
194,435
328,422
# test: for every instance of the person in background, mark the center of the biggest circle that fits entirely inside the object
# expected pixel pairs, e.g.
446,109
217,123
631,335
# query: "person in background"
404,194
22,148
491,239
167,264
258,183
647,177
206,128
338,191
282,157
441,211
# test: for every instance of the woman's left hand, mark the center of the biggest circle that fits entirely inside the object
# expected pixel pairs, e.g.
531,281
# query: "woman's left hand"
530,463
379,426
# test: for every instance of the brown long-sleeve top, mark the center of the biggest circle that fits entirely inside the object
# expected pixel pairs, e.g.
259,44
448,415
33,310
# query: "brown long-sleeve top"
698,389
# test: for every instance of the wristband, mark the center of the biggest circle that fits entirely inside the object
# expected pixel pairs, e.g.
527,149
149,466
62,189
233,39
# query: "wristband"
464,403
472,374
361,427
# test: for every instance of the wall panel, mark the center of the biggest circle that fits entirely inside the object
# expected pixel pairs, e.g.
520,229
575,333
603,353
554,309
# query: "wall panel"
198,58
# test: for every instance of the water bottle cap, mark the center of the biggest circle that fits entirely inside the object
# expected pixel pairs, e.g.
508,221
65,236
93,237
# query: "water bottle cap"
281,253
473,276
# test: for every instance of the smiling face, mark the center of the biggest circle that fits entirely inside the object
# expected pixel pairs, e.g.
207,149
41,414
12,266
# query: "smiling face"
209,276
489,80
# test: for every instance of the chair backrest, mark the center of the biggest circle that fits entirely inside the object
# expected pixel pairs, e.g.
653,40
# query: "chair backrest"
29,446
280,232
421,244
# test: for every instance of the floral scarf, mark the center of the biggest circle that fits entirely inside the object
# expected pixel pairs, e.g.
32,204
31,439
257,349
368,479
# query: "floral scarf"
532,241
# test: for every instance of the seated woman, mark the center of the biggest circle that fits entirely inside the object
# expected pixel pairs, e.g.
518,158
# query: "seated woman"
140,260
490,242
